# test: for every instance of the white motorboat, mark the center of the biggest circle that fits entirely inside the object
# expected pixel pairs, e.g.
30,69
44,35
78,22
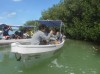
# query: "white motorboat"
27,52
36,52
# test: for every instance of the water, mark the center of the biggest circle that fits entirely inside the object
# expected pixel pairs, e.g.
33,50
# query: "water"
77,57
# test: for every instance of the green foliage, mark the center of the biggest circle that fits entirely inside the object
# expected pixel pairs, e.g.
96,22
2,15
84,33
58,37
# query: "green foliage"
30,23
81,18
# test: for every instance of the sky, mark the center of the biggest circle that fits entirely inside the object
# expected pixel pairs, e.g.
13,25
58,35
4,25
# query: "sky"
17,12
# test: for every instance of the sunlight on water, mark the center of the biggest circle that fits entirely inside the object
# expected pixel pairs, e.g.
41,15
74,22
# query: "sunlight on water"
77,57
55,62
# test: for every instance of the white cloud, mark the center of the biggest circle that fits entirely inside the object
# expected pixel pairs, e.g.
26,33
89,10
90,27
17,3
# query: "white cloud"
16,0
11,14
1,23
8,15
1,17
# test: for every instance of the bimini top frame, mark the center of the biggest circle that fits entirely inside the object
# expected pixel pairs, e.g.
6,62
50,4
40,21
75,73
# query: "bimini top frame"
51,23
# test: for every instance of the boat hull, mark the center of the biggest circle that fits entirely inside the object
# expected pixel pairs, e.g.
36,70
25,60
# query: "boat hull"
34,53
34,49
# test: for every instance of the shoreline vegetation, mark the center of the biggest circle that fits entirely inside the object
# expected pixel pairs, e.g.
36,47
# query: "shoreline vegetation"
81,18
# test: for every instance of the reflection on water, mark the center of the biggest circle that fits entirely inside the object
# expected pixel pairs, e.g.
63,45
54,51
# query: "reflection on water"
77,57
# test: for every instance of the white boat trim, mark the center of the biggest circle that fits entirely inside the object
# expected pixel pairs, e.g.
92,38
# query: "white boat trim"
30,49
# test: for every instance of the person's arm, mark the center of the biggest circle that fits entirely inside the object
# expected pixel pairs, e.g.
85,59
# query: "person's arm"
10,28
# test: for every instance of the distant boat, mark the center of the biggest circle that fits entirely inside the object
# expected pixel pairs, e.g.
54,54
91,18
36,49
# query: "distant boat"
3,42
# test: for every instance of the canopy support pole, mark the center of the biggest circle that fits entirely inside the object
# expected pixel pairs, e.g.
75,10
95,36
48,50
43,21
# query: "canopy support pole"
60,29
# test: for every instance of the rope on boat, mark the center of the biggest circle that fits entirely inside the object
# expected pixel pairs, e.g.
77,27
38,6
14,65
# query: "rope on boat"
17,56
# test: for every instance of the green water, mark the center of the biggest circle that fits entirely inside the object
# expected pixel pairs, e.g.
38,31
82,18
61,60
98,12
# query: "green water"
77,57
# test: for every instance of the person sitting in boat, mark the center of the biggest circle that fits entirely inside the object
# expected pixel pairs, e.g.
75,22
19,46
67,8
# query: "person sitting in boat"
6,32
47,31
61,36
16,35
55,36
39,37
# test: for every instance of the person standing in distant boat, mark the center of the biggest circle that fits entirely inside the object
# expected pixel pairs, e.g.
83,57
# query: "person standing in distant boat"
6,31
39,37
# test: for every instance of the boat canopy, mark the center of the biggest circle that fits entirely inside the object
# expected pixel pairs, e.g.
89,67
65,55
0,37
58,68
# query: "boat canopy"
50,22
